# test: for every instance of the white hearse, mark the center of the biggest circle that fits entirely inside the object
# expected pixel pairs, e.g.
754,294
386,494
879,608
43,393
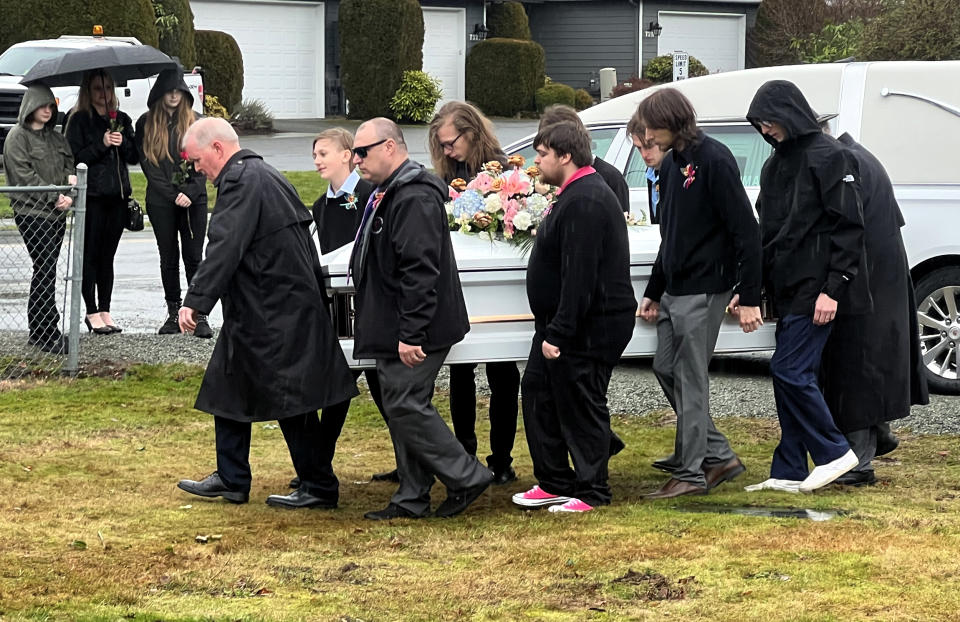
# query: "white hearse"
906,113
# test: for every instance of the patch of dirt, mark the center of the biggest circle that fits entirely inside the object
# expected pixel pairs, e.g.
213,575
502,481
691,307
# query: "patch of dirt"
654,586
105,369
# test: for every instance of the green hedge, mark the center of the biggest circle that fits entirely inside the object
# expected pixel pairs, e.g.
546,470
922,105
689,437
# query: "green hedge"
555,93
25,20
508,21
417,97
660,69
503,75
222,62
179,41
582,99
913,30
379,40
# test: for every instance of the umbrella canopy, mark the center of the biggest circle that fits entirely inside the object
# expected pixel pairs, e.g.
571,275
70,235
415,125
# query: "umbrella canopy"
122,62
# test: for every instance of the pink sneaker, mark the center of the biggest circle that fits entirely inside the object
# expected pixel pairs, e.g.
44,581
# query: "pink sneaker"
535,497
573,505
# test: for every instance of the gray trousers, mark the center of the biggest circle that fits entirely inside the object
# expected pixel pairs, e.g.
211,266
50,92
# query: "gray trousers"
424,445
864,444
687,330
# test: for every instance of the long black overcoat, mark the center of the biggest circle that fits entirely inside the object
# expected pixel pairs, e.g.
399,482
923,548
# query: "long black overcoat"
872,370
277,355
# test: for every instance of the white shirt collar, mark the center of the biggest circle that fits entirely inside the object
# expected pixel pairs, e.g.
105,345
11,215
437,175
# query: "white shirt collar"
349,185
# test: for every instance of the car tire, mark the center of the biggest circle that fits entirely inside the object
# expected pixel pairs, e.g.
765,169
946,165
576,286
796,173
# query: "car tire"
938,296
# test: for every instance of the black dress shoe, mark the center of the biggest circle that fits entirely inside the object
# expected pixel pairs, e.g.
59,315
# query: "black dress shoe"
114,329
295,483
386,476
301,499
390,512
504,476
457,502
54,345
856,478
886,442
213,486
616,444
666,464
97,330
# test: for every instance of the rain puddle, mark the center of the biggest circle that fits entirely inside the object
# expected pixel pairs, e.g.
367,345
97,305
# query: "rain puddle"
766,512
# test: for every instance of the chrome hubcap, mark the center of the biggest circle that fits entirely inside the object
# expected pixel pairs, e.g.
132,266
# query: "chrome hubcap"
940,332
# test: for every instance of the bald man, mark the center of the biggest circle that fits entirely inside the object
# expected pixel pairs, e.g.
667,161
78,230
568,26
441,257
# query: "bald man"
277,356
410,311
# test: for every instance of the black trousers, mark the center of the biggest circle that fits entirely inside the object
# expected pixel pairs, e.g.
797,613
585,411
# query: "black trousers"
333,417
190,223
504,381
565,414
43,239
101,236
303,436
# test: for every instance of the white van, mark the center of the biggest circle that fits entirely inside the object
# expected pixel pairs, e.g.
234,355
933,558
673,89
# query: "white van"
906,113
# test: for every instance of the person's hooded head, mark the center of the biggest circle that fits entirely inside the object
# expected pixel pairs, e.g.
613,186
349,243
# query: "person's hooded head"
781,113
170,81
169,101
37,97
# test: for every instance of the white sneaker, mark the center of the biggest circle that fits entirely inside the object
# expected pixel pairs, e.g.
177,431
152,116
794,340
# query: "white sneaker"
825,473
783,485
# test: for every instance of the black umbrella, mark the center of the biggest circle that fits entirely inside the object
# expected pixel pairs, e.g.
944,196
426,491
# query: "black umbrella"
122,62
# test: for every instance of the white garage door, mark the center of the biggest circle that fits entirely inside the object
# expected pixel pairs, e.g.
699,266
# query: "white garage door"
444,43
718,40
282,46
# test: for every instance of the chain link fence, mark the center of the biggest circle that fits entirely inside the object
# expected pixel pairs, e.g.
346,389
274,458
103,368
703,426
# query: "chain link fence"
41,250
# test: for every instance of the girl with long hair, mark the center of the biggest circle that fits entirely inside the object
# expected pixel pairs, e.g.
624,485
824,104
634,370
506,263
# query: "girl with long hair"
101,136
176,194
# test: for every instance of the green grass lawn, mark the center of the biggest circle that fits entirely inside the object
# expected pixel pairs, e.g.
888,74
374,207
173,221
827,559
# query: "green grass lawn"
93,528
308,184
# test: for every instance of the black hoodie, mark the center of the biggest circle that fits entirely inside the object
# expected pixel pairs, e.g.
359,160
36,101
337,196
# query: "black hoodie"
811,219
408,287
161,191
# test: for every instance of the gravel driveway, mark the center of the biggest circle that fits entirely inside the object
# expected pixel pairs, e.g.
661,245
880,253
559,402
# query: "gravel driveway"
740,384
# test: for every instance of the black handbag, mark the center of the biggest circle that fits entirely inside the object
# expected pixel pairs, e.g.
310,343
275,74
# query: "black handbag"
134,220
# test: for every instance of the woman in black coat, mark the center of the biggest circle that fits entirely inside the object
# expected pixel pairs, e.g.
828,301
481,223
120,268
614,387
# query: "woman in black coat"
176,200
101,137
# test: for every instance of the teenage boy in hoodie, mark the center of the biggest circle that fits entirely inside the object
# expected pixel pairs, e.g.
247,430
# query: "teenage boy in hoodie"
35,154
811,224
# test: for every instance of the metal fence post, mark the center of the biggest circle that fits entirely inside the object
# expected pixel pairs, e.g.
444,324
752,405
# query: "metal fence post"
76,271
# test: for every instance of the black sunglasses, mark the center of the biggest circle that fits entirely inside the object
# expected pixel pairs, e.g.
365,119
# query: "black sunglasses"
361,152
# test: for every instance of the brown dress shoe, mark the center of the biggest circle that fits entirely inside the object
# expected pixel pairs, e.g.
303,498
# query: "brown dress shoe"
725,472
676,488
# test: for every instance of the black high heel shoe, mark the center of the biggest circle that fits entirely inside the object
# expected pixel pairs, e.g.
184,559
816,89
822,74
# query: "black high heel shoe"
114,329
100,330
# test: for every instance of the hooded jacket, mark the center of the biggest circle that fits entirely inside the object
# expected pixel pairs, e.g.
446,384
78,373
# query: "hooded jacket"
37,157
161,191
408,287
811,218
108,176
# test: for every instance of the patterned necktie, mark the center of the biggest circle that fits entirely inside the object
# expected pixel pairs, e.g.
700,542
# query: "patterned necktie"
358,240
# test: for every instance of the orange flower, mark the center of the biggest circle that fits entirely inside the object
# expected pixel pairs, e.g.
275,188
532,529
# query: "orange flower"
458,184
516,161
494,167
533,171
497,184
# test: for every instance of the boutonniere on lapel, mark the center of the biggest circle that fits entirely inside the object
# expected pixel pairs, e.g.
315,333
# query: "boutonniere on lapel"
690,172
350,203
376,199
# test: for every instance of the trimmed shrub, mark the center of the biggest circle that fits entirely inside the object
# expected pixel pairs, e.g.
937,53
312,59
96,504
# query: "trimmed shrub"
24,20
508,20
174,20
222,62
660,69
417,97
914,30
582,99
631,85
370,69
555,93
503,88
213,108
252,115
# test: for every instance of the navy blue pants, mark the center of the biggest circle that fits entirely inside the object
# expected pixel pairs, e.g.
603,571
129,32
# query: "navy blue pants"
806,425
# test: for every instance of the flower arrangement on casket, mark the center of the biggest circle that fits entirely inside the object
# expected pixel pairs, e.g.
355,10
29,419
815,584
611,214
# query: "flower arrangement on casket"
506,204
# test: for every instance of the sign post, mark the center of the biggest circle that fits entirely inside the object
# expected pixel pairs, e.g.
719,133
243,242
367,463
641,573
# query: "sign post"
681,66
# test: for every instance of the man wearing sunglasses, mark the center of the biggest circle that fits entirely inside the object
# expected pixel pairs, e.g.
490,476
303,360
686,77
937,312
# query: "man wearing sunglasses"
410,311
